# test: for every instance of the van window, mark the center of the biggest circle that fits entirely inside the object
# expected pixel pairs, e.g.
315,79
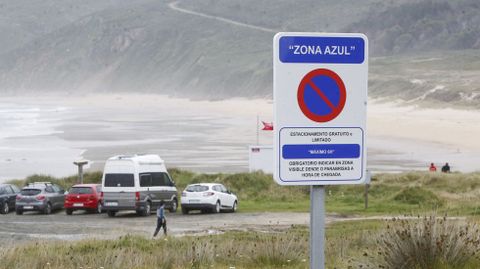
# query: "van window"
160,179
145,180
119,180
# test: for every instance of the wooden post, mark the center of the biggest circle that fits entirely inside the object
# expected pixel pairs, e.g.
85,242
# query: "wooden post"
367,186
368,179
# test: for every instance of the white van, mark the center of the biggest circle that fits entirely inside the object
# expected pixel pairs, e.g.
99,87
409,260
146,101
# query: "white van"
139,183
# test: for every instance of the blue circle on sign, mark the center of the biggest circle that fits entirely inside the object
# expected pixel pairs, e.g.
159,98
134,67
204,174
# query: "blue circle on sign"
315,102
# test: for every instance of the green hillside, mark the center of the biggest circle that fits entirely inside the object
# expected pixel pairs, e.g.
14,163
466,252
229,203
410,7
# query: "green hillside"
212,49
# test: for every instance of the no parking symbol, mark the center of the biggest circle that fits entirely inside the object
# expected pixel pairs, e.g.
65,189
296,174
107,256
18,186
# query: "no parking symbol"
321,95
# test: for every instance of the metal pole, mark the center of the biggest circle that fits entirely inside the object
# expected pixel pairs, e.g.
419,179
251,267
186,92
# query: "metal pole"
80,173
317,227
80,165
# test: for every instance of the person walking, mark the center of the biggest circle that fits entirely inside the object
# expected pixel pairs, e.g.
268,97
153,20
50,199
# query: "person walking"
161,220
446,168
432,168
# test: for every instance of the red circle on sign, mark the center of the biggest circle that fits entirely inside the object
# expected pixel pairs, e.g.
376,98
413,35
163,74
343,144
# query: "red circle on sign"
307,80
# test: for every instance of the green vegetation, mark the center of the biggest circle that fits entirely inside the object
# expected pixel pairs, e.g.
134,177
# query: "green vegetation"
424,242
66,182
233,249
389,194
288,249
418,196
350,244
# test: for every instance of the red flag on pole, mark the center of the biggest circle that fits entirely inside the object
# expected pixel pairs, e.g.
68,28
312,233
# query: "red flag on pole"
267,126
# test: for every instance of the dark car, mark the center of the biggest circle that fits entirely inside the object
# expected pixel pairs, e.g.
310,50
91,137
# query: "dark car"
84,196
8,192
40,196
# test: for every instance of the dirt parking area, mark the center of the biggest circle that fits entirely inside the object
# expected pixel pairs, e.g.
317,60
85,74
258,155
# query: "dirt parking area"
80,225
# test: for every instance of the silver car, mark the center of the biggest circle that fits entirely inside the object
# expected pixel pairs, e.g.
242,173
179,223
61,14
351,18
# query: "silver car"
40,196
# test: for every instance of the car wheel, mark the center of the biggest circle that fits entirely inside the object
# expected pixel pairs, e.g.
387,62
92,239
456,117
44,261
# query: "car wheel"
5,208
48,209
235,207
217,207
69,211
99,208
111,213
184,211
19,212
174,207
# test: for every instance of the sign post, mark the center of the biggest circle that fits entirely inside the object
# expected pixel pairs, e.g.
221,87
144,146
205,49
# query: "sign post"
317,227
320,99
80,165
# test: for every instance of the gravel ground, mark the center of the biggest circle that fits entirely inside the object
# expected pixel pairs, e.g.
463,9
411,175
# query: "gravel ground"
58,226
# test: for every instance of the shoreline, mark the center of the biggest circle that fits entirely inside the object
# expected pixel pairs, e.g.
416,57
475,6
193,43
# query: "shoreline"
208,136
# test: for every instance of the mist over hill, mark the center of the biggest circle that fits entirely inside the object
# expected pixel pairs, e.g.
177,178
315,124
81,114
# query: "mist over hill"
212,49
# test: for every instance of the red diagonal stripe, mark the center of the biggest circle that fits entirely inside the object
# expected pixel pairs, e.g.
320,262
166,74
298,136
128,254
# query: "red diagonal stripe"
322,95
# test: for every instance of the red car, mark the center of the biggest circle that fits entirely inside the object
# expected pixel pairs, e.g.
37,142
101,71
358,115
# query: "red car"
84,196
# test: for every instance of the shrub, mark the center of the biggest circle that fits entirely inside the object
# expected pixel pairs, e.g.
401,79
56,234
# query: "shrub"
426,242
67,182
417,196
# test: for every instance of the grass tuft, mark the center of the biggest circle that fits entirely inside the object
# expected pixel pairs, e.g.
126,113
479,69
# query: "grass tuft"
426,242
418,196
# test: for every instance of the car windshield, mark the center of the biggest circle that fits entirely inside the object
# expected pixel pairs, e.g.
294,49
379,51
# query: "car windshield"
81,190
30,192
197,188
2,191
119,180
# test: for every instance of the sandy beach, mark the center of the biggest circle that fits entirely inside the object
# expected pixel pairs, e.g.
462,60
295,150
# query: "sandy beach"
425,135
46,134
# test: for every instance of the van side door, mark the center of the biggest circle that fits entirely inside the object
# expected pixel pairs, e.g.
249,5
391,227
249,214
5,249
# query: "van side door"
171,188
146,187
158,188
164,187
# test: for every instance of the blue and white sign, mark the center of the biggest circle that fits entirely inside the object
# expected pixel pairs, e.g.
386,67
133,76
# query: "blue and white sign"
320,101
322,49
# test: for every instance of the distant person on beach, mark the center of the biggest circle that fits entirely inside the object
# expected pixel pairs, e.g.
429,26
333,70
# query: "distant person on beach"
161,220
446,168
432,168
